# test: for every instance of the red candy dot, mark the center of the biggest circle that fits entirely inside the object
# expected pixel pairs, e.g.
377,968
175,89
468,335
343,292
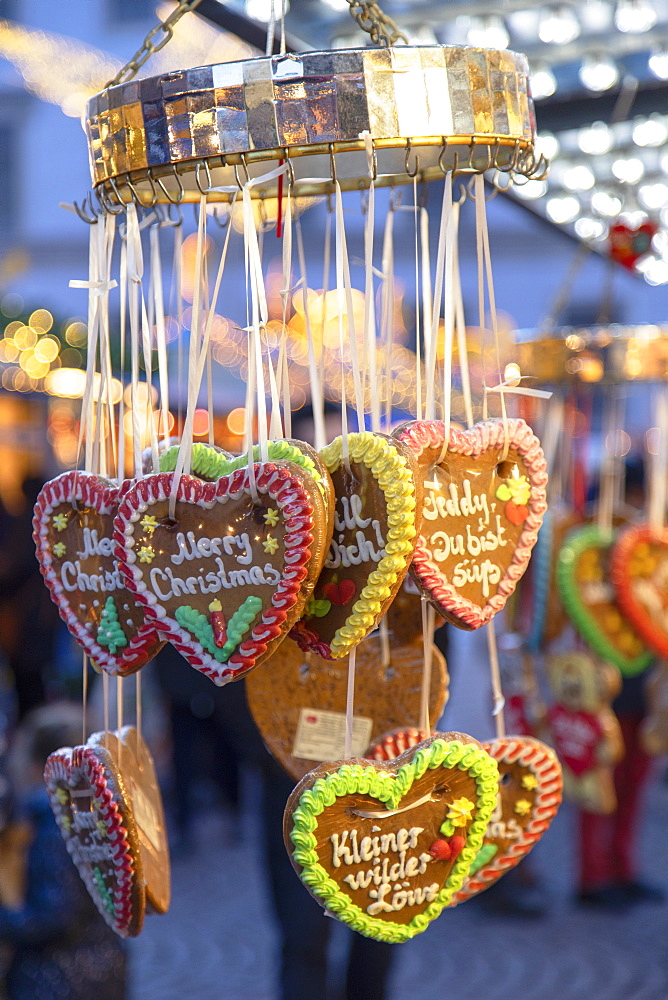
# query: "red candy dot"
440,850
457,845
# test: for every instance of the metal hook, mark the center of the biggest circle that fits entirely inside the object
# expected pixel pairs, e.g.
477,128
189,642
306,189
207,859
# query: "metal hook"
81,212
173,200
332,164
198,167
114,208
166,217
136,197
291,167
216,216
242,159
414,173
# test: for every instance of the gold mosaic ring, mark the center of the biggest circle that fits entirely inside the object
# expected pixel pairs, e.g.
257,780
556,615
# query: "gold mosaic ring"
426,109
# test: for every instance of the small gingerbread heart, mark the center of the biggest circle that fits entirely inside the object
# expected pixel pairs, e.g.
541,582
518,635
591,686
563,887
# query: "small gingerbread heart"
374,535
228,575
73,534
134,765
306,725
384,846
530,788
93,812
588,597
639,572
484,503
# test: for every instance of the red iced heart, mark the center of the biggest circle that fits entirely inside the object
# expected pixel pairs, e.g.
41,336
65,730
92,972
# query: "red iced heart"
341,593
516,513
219,544
73,533
530,786
92,809
639,571
628,245
471,552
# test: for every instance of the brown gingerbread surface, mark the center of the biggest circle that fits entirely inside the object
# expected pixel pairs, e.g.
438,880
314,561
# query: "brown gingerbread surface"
310,685
136,770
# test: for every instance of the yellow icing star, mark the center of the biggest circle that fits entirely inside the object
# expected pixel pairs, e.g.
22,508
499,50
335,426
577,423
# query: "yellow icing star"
460,811
102,829
59,549
62,795
271,517
59,521
529,781
149,523
270,545
66,822
146,554
519,489
522,807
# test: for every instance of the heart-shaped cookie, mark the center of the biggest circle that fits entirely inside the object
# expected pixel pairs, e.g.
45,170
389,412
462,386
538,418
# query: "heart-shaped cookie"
94,814
628,245
547,614
588,597
481,513
372,545
393,744
384,846
530,788
228,576
73,534
134,765
306,725
639,571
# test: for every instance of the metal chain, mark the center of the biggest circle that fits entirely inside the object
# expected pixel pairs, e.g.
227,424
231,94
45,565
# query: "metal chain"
149,46
367,13
372,19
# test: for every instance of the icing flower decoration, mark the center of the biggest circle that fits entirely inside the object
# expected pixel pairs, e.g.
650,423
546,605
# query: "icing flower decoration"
271,517
66,822
270,545
522,807
518,490
59,521
529,781
59,549
146,554
101,828
63,796
318,608
149,523
460,811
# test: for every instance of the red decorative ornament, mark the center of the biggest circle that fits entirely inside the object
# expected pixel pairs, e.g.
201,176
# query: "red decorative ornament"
628,245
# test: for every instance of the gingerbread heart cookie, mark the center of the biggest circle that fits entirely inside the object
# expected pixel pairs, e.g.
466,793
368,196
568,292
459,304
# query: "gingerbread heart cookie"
307,724
384,846
95,817
530,787
73,534
377,503
134,765
587,594
639,571
394,743
229,574
481,513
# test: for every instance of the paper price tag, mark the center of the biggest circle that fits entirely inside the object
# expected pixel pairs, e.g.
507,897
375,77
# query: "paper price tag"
321,735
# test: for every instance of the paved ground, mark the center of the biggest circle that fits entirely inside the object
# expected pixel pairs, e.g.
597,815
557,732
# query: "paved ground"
219,941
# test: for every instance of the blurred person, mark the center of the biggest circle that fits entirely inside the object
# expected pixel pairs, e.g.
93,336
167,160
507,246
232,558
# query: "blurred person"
30,621
61,947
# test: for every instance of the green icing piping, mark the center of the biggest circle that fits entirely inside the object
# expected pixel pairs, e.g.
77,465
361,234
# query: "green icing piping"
483,857
239,624
105,895
237,627
109,632
591,536
390,788
213,465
